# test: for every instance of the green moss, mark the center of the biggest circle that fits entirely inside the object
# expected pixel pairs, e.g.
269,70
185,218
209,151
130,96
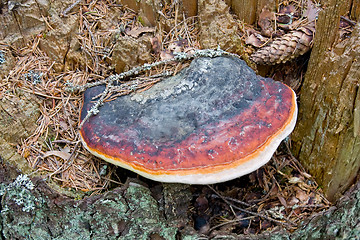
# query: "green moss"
141,20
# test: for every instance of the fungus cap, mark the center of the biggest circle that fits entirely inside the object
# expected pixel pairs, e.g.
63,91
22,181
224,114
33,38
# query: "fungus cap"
213,122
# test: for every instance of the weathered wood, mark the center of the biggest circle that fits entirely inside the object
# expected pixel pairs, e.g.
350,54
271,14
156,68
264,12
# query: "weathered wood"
248,11
22,21
245,10
190,7
148,10
18,115
326,139
218,28
145,8
355,10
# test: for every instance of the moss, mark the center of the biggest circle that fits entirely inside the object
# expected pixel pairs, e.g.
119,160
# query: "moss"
141,20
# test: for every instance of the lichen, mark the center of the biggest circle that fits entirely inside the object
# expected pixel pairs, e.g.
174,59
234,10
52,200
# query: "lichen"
130,213
19,192
2,58
33,76
147,219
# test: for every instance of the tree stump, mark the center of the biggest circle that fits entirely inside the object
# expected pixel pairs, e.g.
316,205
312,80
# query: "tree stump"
327,137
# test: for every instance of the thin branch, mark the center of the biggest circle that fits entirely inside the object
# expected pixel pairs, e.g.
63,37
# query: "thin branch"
95,108
290,225
67,10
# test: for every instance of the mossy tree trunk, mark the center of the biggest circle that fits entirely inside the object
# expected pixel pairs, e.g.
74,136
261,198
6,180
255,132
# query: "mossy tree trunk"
327,137
29,209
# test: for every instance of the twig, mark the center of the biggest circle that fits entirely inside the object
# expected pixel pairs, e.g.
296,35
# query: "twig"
95,108
64,141
353,23
229,222
249,212
179,57
66,11
306,206
67,163
47,96
113,181
233,200
93,42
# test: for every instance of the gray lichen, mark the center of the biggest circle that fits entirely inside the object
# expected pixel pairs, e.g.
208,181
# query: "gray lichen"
146,218
2,57
128,213
19,192
33,76
132,212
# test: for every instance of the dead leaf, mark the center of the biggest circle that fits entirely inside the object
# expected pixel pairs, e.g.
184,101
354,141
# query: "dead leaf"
292,201
137,31
61,154
189,50
294,180
289,27
265,224
166,55
265,22
202,204
288,9
282,200
305,174
255,40
178,46
315,198
312,11
64,126
302,196
284,18
174,48
156,45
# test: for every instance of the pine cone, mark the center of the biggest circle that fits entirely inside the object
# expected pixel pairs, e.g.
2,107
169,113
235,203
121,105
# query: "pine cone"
286,47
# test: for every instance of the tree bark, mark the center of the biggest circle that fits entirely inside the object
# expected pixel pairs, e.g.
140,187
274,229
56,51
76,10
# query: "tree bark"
32,210
327,137
248,11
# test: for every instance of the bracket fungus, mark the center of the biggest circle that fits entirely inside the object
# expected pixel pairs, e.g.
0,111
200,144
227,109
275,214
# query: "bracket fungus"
214,121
